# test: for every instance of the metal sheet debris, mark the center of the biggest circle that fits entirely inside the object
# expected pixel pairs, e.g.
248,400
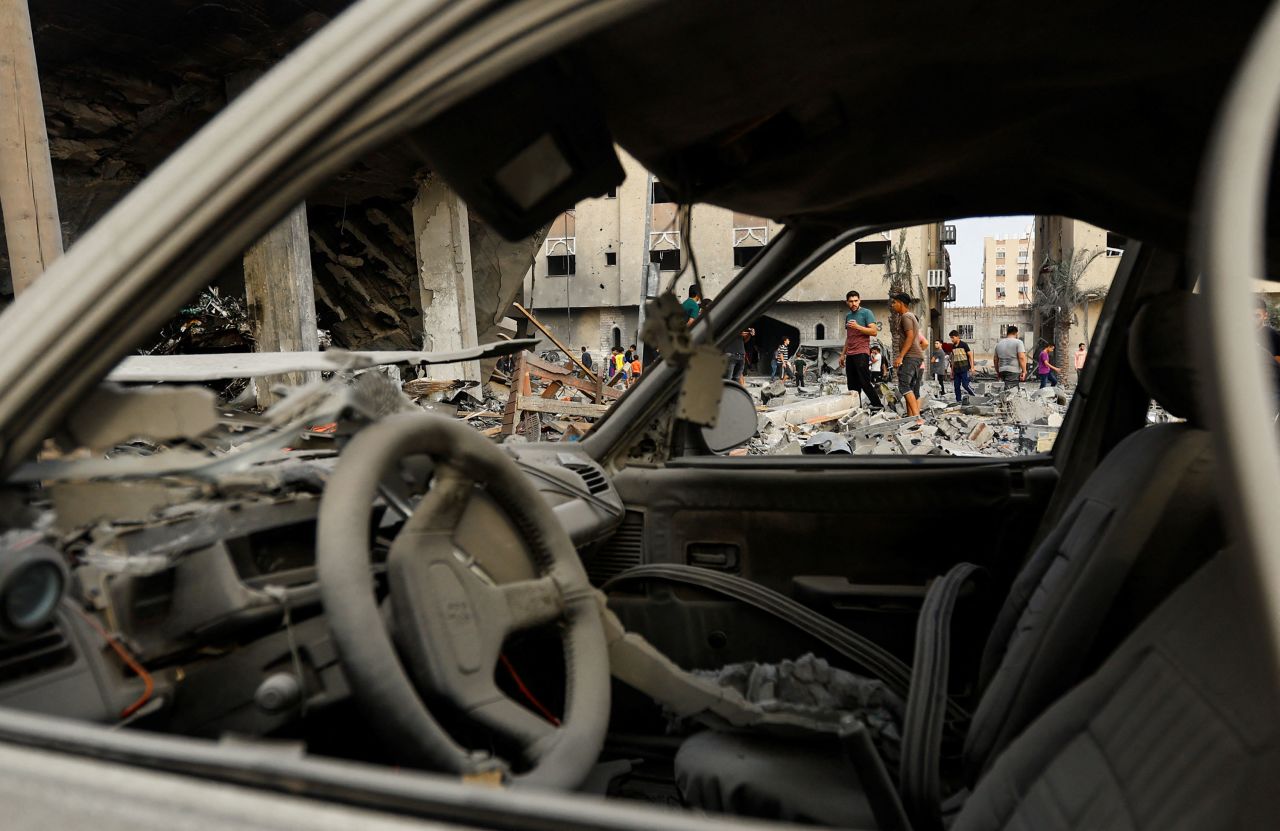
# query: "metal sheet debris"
213,367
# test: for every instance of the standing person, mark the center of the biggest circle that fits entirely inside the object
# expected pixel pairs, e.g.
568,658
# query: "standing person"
630,354
876,365
961,364
1011,359
859,328
693,306
938,366
636,368
1269,339
782,361
910,359
735,354
585,359
1045,369
619,366
1080,356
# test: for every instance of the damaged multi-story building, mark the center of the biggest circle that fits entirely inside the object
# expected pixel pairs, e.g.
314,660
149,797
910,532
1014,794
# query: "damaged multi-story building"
589,280
1015,266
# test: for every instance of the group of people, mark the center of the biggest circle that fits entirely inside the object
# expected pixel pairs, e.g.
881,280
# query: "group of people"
863,362
1011,361
624,362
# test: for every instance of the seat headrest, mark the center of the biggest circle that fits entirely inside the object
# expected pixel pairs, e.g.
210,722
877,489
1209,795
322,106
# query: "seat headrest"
1162,353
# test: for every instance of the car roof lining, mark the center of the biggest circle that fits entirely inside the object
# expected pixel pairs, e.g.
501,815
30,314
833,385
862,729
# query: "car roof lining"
1096,110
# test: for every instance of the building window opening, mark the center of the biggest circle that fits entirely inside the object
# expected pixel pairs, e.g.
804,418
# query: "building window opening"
617,337
873,252
965,330
561,265
744,254
1115,244
819,332
668,259
611,258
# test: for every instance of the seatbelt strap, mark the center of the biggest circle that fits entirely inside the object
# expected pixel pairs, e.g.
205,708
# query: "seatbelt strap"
878,661
919,777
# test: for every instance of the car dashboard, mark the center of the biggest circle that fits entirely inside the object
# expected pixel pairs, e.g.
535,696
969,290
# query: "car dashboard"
204,618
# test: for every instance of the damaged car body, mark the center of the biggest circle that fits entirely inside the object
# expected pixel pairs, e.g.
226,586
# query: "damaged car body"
345,603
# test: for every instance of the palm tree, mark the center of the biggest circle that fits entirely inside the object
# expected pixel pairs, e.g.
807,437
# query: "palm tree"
898,273
1059,292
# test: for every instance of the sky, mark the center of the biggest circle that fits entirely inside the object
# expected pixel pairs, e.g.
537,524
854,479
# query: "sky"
966,254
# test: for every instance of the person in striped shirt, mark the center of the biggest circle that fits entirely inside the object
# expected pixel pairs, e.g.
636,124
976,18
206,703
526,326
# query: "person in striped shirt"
782,362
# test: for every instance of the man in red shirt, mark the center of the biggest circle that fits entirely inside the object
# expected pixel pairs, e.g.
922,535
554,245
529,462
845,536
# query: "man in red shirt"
859,328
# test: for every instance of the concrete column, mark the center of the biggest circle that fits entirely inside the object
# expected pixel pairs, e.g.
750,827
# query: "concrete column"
281,297
30,204
440,230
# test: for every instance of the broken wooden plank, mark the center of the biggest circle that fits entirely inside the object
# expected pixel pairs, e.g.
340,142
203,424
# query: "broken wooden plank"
553,389
591,375
568,408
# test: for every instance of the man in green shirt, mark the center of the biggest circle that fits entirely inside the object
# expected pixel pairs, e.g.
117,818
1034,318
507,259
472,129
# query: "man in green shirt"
693,306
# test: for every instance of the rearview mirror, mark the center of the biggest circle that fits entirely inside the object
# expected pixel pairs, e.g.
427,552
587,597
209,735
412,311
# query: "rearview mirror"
735,421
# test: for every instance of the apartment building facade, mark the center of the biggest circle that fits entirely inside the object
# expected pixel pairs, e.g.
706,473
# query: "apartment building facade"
1008,273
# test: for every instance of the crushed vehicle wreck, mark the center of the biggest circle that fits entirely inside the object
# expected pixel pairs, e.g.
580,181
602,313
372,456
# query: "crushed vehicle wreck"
526,597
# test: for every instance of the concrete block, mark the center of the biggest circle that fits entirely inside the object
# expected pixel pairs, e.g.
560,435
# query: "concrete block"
981,435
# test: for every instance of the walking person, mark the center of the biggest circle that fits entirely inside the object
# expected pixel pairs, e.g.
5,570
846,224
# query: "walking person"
1080,356
910,360
735,354
859,328
939,364
782,362
1011,359
1045,369
961,364
585,360
1269,340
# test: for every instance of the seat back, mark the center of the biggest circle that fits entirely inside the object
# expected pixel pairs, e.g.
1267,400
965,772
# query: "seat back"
1179,728
1145,520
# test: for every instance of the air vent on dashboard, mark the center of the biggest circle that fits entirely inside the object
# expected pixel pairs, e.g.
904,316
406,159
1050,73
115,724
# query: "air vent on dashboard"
624,550
592,476
44,650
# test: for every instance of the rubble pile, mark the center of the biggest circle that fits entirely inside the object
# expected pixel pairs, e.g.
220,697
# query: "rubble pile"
526,399
823,418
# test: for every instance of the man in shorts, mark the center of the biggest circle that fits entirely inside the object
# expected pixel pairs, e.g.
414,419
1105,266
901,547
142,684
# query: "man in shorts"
910,359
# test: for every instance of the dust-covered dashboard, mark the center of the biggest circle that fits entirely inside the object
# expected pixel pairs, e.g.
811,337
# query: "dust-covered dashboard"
194,607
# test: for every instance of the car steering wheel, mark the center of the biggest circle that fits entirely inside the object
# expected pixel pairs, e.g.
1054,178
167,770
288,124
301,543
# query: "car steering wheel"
449,619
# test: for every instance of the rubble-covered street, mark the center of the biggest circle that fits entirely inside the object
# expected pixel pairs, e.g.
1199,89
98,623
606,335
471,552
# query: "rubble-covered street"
824,418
